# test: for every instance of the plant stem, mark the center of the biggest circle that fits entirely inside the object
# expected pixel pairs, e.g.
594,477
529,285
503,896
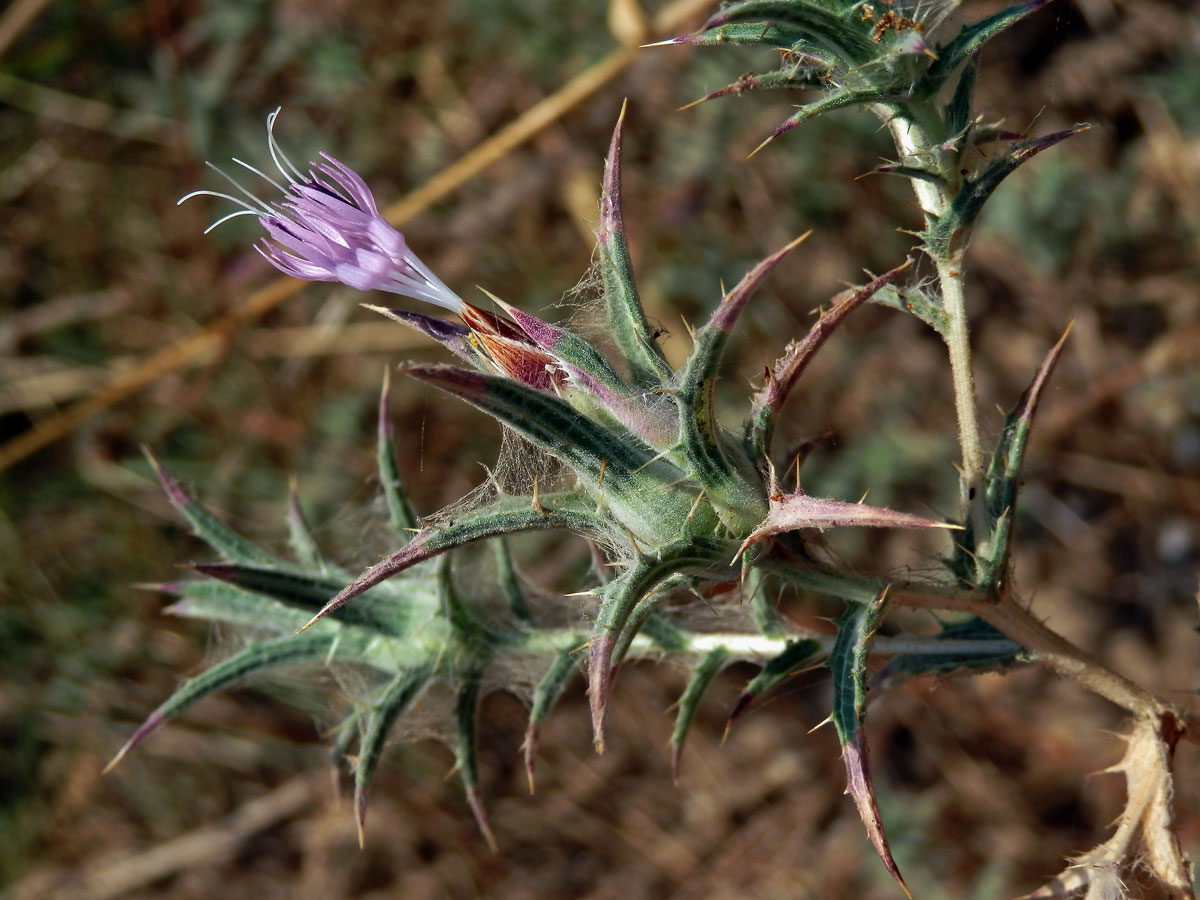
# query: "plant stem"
914,132
1011,617
758,648
917,135
958,342
1058,653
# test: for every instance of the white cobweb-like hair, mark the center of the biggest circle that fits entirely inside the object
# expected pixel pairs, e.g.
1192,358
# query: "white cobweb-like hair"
519,470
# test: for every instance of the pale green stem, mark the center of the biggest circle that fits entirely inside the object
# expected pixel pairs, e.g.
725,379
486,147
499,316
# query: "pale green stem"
755,647
916,140
1006,613
958,342
915,145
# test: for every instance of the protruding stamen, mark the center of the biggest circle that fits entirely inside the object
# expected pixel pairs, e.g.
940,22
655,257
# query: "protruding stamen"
261,174
232,215
277,154
254,199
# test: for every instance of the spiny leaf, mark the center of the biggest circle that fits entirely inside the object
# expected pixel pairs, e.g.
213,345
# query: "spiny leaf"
968,202
734,34
803,573
643,491
700,437
589,448
357,637
725,316
216,601
702,677
626,317
401,518
344,738
912,172
848,661
507,515
510,585
950,55
958,110
798,511
397,697
646,614
618,599
468,629
839,31
839,99
767,618
917,301
454,337
1005,469
563,667
466,752
806,73
310,593
255,658
769,399
861,788
209,528
796,655
304,544
658,629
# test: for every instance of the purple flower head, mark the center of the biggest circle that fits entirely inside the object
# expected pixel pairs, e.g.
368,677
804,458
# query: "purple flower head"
328,228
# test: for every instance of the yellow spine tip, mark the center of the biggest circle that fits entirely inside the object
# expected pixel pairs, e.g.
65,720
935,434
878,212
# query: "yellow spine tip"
760,146
112,764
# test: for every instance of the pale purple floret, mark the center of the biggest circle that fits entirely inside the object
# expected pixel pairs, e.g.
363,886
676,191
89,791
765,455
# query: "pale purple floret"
328,228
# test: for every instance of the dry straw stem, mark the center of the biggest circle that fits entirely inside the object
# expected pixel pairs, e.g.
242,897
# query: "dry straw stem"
1015,620
206,846
1010,615
16,19
445,182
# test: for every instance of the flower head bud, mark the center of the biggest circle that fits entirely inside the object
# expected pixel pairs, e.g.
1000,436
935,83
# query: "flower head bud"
328,228
512,351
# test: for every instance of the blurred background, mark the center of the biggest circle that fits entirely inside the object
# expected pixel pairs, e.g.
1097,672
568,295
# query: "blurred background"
122,324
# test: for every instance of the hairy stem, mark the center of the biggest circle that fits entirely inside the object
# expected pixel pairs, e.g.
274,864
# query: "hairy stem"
915,136
1017,622
747,646
918,136
1011,617
958,342
1062,656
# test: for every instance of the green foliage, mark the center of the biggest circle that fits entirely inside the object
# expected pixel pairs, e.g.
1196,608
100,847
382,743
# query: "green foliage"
702,675
874,56
985,563
673,502
672,506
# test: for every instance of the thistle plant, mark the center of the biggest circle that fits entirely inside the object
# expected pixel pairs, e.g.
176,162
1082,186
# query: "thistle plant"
671,501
